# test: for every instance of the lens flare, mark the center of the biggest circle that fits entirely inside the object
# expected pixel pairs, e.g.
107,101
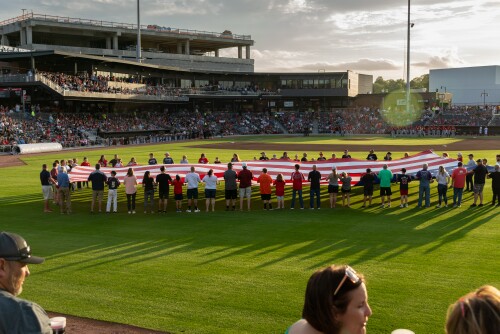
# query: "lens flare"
393,109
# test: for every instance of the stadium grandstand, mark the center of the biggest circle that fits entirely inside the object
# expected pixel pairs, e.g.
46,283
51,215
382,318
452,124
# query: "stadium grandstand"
76,81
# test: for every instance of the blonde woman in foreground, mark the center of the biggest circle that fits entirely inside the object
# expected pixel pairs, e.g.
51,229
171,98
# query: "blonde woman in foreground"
477,312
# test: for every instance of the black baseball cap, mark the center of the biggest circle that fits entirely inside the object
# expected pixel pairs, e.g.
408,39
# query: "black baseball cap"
13,247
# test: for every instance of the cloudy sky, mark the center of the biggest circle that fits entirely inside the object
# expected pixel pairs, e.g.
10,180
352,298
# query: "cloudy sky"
366,36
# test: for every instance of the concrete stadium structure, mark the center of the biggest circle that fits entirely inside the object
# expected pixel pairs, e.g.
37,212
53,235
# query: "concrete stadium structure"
189,49
469,85
185,59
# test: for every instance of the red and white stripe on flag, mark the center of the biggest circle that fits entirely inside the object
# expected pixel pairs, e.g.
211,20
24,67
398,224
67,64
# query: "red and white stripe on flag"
354,167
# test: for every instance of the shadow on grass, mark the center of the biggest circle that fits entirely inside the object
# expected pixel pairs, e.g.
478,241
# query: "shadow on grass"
316,238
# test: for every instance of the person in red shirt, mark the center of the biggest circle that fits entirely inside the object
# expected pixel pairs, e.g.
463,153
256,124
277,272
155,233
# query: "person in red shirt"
297,179
102,161
85,163
458,183
245,177
177,183
279,183
203,159
265,182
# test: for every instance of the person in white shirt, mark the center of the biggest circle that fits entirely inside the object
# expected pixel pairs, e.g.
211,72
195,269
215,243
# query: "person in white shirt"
210,181
192,180
443,179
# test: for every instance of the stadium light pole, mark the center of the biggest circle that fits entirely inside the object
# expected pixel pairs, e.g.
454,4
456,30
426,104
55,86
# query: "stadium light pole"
484,94
138,32
408,62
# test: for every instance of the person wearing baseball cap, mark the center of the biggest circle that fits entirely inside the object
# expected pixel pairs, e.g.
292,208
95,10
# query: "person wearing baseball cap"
18,315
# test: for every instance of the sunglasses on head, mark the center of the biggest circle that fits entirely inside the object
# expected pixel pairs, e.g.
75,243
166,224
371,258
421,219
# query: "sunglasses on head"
349,274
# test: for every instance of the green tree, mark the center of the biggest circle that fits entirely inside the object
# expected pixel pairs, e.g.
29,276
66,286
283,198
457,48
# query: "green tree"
420,82
380,85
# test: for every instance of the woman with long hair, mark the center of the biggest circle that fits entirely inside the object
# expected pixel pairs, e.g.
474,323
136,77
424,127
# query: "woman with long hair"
102,161
346,188
130,182
333,186
210,181
443,179
279,183
477,312
336,302
149,191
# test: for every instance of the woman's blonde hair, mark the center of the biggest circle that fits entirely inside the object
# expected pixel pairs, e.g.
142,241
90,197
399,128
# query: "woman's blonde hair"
477,312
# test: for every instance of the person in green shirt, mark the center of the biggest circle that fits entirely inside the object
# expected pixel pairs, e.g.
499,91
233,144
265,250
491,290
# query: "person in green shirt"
385,177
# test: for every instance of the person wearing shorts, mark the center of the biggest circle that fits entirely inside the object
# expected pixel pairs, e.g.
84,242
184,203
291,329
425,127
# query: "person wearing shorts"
265,181
404,180
98,180
385,177
192,181
279,183
210,181
346,189
230,187
368,179
480,173
178,196
245,176
333,186
163,181
47,181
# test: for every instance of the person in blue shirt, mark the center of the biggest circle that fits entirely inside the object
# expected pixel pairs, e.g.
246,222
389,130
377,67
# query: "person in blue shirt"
63,183
424,189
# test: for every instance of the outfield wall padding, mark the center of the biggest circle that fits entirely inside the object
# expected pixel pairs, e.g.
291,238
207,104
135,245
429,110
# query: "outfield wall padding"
36,148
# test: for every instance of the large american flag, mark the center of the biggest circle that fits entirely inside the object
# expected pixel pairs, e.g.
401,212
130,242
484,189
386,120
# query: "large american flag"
354,167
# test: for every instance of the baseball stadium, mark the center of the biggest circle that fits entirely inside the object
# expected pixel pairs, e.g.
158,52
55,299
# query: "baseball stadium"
76,92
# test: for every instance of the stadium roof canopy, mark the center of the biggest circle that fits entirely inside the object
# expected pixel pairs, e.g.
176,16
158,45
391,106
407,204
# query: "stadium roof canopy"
47,58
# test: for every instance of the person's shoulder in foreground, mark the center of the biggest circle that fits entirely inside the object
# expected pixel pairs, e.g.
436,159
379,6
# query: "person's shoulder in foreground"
18,315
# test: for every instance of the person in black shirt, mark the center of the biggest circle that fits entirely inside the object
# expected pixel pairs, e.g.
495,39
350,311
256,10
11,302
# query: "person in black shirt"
480,173
263,156
114,160
149,191
314,177
47,181
163,181
372,156
368,179
113,184
98,180
168,159
304,157
495,184
152,160
388,156
346,155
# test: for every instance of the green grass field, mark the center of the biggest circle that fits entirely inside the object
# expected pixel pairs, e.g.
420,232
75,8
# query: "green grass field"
246,272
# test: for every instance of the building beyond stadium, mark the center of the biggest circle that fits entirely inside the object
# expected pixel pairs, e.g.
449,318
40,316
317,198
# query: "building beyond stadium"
469,85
